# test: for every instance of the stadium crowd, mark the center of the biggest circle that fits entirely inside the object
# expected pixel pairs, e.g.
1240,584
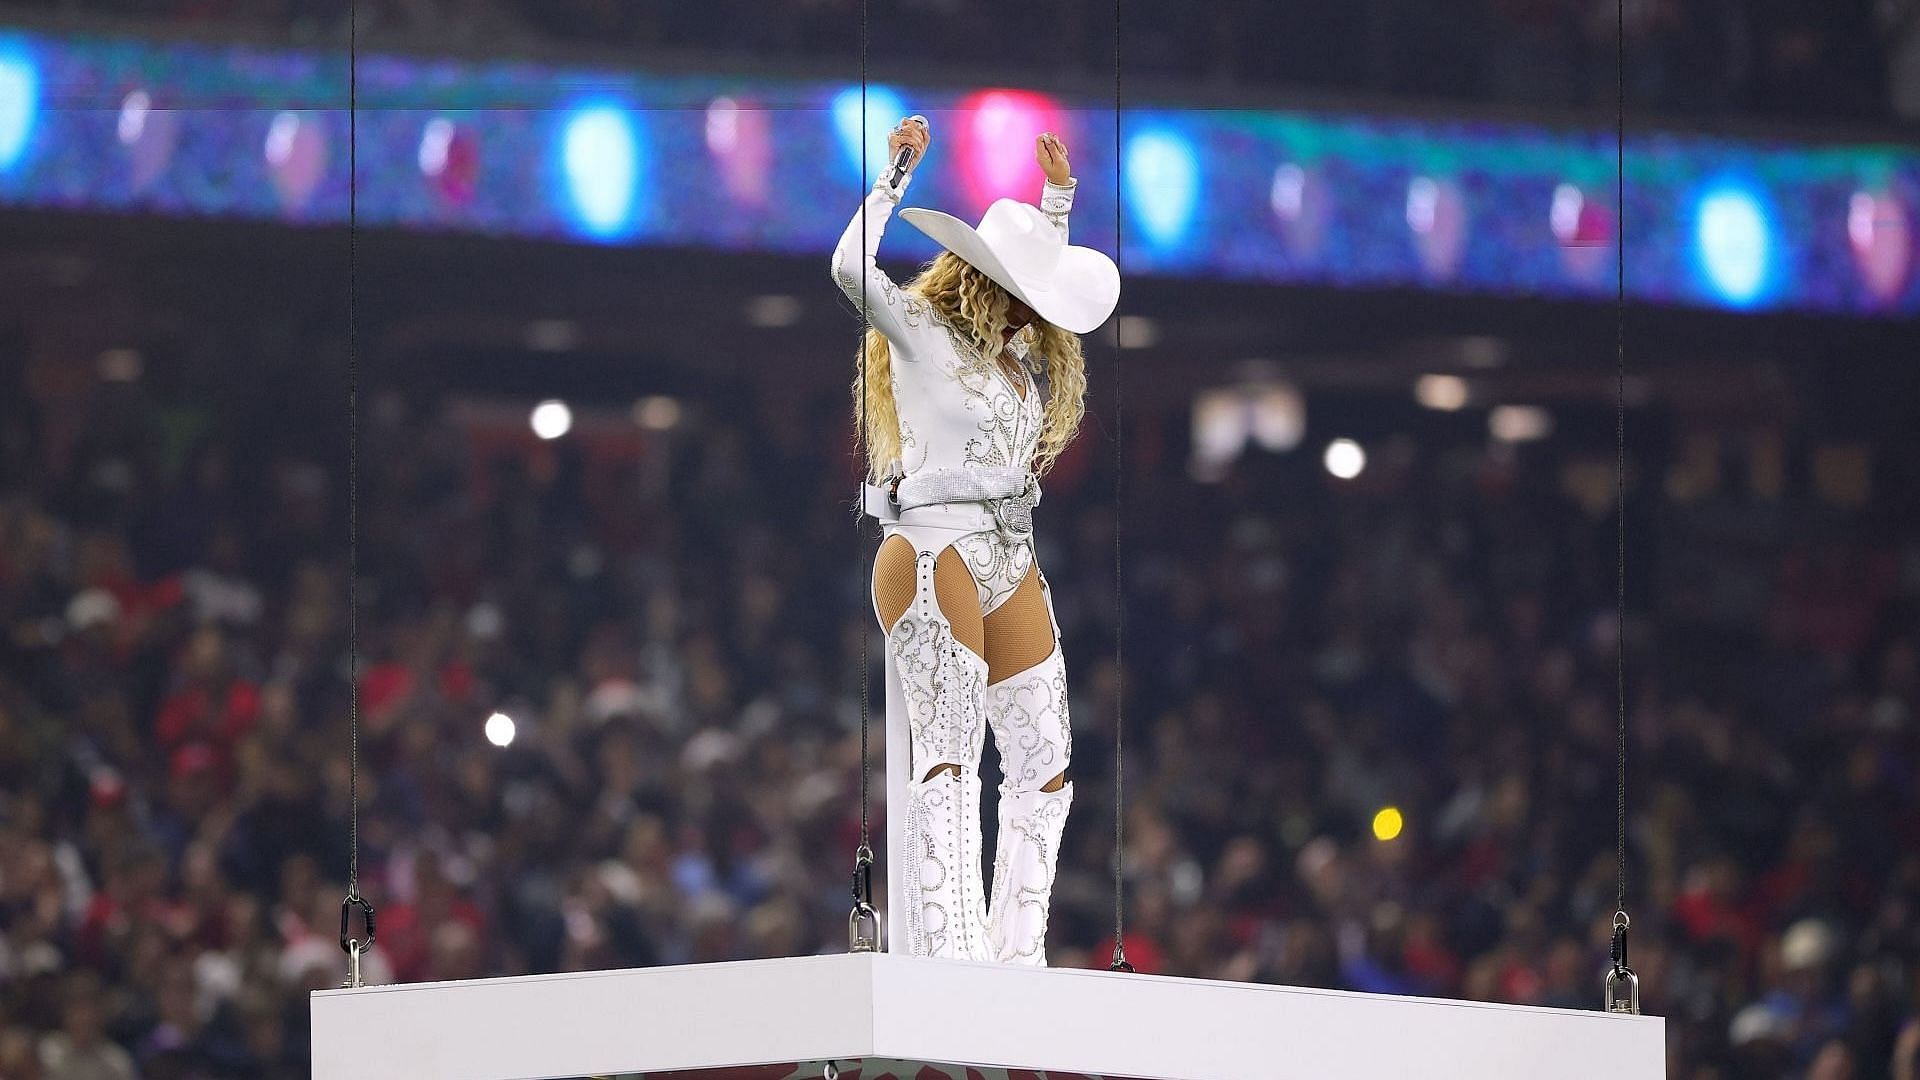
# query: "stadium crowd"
1805,59
675,629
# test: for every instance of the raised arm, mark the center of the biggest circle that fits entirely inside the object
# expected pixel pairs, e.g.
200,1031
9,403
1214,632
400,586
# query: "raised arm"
1056,194
854,261
855,268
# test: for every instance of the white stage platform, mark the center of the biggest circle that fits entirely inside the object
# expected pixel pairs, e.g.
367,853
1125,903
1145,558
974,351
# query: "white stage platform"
788,1018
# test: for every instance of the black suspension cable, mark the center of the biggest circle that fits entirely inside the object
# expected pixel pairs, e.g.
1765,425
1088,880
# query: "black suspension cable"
859,547
1622,985
1620,444
863,926
353,436
1119,962
352,946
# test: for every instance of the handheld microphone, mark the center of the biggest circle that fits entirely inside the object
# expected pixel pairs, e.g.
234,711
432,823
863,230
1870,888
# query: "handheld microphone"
904,159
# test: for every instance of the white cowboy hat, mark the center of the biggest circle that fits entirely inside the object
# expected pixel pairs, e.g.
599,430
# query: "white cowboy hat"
1074,288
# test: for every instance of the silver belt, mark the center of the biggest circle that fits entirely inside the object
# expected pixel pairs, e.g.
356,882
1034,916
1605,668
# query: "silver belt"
1008,497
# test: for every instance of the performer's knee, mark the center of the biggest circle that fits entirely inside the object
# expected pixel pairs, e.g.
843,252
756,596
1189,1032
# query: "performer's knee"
1032,731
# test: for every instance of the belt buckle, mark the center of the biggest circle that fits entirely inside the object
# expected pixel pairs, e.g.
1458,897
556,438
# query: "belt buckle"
1014,513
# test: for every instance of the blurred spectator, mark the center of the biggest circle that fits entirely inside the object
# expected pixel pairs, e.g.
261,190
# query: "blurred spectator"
80,1049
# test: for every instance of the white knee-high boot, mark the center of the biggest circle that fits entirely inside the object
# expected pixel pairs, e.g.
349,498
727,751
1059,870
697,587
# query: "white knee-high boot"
944,885
943,684
1028,713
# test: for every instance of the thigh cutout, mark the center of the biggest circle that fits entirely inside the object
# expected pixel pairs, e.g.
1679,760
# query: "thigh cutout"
954,590
1020,632
893,580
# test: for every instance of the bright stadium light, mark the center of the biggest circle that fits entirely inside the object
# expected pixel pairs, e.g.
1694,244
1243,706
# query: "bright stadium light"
1423,204
1519,423
1345,459
723,125
1288,194
1388,823
873,109
500,730
133,116
601,155
1162,184
1881,235
19,101
436,142
551,419
280,136
996,145
1447,393
1734,242
1278,415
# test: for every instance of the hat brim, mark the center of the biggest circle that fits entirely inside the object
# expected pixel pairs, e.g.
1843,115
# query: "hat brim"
1078,296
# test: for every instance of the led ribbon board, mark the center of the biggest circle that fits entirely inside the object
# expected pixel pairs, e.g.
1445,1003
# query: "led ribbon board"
746,163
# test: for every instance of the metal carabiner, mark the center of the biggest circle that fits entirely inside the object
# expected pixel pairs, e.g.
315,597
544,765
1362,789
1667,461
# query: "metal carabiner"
863,922
354,947
1623,986
863,929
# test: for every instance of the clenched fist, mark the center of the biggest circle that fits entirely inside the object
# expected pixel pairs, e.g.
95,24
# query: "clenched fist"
1051,153
909,132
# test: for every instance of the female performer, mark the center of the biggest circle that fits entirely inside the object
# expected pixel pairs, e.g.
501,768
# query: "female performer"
957,432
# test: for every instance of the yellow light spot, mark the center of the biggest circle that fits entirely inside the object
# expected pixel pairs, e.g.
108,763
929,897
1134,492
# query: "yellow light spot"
1387,823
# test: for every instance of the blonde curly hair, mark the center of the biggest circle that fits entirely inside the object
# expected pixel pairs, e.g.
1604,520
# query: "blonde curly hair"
976,306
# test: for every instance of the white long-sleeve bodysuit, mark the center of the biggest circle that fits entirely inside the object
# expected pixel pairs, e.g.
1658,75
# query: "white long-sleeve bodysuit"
958,407
963,421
